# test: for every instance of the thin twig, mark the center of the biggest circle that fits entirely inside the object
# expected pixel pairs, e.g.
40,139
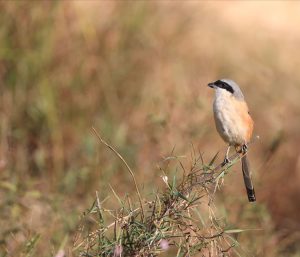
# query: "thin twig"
127,166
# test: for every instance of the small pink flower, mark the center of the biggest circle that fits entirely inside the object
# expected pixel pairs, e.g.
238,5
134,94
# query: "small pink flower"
2,164
60,253
164,244
118,251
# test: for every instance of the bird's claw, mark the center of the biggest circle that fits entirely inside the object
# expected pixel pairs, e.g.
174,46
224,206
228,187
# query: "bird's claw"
244,149
226,161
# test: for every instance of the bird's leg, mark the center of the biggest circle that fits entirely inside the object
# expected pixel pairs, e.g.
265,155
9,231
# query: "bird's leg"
244,149
226,160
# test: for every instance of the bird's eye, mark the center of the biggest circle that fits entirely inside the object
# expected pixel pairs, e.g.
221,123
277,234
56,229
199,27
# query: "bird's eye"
227,87
218,83
224,85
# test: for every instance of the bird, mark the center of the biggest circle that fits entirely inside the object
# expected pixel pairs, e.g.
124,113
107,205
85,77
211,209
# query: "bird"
234,124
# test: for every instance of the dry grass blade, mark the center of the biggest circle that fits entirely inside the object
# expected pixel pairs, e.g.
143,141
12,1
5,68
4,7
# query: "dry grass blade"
127,166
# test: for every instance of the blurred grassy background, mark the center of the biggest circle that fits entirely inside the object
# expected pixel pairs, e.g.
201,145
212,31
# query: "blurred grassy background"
138,72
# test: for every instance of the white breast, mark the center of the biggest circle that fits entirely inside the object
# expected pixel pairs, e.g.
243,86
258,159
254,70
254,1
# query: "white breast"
229,123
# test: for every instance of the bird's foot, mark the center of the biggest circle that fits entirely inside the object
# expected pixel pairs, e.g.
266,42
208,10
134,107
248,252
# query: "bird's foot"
244,149
226,161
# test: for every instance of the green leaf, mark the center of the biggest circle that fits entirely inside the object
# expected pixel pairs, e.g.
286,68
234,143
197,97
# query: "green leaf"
30,245
174,183
182,196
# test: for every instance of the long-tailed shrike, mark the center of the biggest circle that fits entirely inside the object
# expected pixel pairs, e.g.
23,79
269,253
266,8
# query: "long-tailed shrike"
234,124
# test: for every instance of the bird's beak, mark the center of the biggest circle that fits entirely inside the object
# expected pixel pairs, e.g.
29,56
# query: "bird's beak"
212,85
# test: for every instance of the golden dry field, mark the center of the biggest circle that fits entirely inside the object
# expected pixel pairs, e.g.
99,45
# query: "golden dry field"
137,71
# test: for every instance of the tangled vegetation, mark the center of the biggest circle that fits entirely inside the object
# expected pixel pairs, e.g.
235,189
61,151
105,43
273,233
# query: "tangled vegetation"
180,219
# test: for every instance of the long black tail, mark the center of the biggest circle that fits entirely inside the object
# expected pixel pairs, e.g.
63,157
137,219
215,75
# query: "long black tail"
247,179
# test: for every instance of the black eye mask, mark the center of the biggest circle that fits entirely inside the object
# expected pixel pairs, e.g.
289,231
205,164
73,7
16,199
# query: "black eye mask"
224,85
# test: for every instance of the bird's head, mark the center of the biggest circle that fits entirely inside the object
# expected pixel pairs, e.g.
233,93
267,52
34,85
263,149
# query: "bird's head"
227,86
